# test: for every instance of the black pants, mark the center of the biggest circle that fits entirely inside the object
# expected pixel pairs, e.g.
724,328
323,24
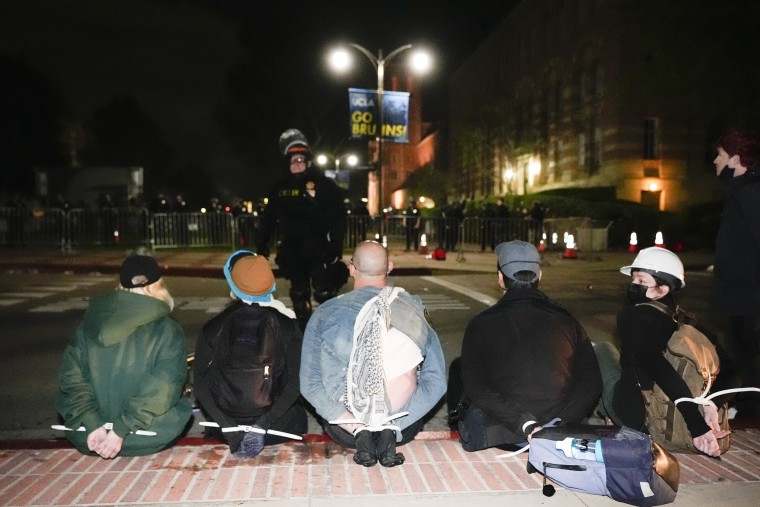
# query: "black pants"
477,430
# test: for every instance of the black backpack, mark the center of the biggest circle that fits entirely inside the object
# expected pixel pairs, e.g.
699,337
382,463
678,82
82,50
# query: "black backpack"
247,366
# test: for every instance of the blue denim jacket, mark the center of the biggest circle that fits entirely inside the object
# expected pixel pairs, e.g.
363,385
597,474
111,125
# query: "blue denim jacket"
327,346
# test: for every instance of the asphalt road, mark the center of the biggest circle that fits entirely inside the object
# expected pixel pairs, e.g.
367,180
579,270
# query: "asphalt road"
38,313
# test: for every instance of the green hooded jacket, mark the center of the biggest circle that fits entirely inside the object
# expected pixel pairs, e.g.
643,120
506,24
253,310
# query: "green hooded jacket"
125,365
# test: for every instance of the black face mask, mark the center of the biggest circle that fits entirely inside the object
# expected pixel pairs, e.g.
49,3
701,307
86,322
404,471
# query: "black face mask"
638,293
727,173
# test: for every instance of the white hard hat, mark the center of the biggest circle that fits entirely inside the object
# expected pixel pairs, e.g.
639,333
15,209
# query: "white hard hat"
657,261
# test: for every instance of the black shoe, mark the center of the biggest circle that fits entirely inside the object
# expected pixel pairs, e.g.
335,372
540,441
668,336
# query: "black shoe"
302,310
386,449
366,452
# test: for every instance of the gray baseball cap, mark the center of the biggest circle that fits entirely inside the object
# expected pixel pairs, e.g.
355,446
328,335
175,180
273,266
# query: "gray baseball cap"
515,256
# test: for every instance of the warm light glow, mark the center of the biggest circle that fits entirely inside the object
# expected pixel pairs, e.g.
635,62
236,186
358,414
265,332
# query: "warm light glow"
420,61
422,199
534,167
321,159
653,187
340,60
509,174
352,160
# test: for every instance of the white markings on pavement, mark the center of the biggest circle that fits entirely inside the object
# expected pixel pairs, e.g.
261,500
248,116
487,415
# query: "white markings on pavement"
63,306
477,296
33,292
201,303
433,302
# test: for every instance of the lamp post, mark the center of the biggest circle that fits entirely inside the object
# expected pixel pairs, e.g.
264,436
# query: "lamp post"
340,60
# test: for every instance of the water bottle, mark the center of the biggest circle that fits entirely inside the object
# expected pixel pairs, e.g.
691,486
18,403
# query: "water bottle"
581,449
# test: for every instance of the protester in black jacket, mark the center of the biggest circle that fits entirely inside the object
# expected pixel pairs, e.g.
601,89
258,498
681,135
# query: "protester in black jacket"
656,274
737,253
525,361
251,284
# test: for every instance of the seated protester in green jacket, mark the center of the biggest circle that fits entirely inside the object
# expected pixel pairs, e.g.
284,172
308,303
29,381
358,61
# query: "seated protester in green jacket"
122,375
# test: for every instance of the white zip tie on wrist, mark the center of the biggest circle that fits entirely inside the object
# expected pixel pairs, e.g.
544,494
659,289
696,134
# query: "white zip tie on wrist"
251,429
107,426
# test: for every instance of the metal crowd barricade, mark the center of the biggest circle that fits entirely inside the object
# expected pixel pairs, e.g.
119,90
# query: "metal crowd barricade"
173,230
136,226
107,227
23,226
483,234
589,235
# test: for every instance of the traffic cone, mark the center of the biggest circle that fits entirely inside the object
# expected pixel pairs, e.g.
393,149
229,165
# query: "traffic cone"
542,243
633,244
570,252
423,245
658,240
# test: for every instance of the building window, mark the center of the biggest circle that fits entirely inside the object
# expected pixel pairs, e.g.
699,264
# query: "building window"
581,150
651,199
651,134
595,157
598,80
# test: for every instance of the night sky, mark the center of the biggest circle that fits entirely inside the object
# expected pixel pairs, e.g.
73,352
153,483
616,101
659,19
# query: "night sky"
222,79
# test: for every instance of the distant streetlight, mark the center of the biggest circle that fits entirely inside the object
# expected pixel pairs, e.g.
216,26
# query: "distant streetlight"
351,160
340,60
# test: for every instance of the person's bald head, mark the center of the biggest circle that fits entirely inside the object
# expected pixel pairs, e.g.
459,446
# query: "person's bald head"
370,264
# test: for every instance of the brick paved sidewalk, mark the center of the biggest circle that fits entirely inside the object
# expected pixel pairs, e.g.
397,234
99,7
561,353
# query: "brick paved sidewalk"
436,468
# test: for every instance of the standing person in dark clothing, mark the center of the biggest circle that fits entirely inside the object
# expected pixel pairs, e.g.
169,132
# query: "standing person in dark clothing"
500,225
525,361
537,215
412,226
312,223
737,253
252,286
656,275
487,227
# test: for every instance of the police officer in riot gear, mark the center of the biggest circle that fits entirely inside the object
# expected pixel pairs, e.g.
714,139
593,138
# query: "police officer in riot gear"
309,209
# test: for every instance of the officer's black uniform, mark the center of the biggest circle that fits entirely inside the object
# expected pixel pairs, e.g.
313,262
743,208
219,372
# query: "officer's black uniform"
312,224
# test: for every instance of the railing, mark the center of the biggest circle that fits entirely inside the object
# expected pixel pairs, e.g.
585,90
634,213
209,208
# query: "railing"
138,227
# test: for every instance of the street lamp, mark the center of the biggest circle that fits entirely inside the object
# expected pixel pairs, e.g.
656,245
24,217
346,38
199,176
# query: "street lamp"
351,160
340,61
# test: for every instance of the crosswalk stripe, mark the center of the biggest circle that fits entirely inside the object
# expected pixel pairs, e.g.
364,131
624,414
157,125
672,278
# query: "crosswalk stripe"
9,302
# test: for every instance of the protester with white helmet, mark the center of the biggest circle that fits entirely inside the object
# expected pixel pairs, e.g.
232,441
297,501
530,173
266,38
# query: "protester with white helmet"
643,331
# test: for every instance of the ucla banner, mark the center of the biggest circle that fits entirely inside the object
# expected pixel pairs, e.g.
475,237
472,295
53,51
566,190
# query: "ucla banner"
363,107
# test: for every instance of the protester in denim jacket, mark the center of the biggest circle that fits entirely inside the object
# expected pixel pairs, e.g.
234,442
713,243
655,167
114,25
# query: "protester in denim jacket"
327,346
